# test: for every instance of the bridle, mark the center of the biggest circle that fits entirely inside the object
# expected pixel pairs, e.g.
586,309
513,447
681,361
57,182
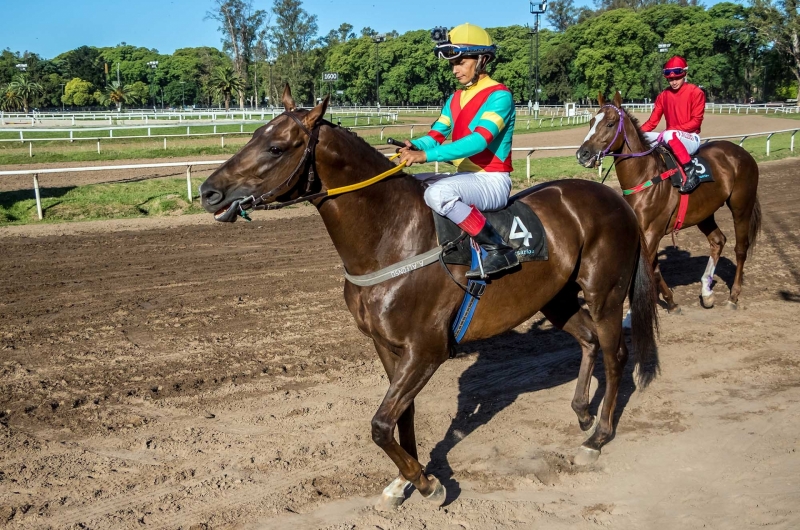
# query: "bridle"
306,166
620,128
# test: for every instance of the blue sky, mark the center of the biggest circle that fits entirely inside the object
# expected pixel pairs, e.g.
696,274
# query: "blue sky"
50,27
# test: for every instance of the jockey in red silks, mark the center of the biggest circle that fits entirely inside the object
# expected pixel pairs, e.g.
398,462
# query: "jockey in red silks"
683,105
480,120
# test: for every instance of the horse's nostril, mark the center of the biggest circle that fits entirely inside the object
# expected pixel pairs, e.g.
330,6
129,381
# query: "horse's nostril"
212,197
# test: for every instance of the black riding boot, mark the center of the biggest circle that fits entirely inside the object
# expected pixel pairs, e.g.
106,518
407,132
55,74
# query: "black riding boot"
692,180
499,256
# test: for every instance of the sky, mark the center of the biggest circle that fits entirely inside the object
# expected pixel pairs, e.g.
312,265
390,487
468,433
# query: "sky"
51,27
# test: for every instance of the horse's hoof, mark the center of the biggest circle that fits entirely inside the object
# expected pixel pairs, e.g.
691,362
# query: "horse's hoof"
387,503
438,495
586,456
733,306
675,310
707,301
393,495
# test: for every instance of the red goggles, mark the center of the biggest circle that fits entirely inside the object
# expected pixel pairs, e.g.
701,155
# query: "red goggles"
674,71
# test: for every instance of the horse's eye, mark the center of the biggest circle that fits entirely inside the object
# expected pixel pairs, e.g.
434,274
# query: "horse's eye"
275,150
610,124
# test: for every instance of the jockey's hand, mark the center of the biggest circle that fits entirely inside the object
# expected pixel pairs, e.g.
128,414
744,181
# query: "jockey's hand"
412,157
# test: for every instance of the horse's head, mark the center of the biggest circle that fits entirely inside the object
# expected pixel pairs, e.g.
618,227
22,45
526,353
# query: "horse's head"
274,162
604,134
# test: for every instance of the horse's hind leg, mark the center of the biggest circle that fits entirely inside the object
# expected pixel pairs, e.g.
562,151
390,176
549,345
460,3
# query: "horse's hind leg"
565,313
615,354
717,241
747,223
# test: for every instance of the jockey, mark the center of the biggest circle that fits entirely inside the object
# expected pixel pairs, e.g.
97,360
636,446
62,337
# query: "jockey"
683,105
480,117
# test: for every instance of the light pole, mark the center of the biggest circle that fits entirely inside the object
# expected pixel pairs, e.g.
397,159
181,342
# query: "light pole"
62,96
183,95
153,65
663,48
377,39
270,63
537,8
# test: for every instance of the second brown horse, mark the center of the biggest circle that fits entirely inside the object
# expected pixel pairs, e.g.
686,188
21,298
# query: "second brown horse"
594,248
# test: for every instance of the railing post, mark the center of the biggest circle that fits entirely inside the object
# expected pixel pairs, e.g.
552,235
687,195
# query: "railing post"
165,143
382,128
38,196
70,136
21,139
743,139
189,183
98,147
436,167
528,166
791,143
412,132
769,136
30,149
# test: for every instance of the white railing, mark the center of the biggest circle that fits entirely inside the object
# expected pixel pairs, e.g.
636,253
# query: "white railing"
529,150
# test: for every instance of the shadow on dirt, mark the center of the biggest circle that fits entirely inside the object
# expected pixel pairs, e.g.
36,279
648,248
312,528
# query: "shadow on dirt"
679,267
508,366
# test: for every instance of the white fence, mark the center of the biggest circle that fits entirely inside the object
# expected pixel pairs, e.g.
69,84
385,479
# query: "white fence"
189,165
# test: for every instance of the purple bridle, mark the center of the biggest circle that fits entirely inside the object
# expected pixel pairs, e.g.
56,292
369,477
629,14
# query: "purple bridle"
620,128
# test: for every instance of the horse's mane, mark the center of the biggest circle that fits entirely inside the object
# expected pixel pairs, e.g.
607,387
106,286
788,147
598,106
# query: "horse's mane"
635,122
380,159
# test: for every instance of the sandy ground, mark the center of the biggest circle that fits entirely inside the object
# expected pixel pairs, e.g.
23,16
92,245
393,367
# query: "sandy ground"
184,374
714,125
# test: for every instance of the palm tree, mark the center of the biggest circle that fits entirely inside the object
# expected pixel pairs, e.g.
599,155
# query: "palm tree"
224,82
9,99
25,89
117,93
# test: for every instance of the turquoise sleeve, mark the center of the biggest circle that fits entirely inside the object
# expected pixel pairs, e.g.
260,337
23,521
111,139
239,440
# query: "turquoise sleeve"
425,143
468,146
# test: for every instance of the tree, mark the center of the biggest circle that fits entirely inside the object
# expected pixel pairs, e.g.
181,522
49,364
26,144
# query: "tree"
78,92
25,89
225,82
561,14
118,94
292,37
779,22
240,25
9,99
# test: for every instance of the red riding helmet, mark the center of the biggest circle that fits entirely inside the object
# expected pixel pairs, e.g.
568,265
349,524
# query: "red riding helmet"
676,68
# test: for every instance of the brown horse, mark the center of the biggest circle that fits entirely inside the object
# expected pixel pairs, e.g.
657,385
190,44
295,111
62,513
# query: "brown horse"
735,184
594,246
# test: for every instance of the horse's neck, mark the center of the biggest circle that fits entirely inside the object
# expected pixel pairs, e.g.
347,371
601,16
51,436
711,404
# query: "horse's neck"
632,171
379,225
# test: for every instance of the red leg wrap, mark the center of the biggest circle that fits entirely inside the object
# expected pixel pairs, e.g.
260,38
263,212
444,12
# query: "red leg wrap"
473,223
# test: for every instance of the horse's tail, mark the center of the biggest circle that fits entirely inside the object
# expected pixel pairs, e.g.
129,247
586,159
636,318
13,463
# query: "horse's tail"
755,226
644,317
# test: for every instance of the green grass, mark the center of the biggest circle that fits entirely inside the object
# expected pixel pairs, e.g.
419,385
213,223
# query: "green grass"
147,198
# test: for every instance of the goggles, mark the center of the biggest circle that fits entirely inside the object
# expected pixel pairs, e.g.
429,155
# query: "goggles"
674,71
454,51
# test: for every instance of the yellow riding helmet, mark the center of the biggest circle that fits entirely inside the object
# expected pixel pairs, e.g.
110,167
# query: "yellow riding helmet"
470,35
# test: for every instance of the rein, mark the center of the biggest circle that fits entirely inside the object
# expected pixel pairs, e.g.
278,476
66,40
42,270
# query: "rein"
306,166
620,128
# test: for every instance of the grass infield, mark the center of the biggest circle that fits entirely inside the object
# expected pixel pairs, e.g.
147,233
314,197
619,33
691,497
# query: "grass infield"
167,196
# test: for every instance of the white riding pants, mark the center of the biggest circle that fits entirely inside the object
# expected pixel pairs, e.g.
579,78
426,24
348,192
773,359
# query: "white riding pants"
691,141
452,194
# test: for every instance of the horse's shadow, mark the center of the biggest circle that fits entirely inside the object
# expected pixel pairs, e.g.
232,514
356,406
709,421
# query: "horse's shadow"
680,268
508,366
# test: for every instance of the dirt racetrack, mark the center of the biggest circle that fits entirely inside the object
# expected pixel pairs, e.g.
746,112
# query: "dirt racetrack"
197,375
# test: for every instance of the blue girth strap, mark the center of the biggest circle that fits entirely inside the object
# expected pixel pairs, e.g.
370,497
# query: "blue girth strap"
475,289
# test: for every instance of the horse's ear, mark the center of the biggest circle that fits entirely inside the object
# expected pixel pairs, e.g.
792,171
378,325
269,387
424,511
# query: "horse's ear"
288,101
601,99
618,100
315,114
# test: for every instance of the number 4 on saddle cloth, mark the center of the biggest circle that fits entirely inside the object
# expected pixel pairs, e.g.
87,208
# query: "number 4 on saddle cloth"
516,223
519,226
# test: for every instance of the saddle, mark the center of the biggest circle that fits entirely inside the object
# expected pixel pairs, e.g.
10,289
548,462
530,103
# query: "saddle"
674,170
519,226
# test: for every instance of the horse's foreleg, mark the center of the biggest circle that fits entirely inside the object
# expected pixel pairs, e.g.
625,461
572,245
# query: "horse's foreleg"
609,332
717,241
411,372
